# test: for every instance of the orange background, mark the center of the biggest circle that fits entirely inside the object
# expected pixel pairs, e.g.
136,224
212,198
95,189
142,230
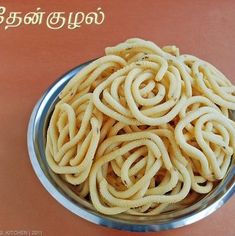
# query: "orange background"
32,57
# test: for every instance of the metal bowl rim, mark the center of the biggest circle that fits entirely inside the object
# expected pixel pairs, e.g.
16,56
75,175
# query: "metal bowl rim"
102,219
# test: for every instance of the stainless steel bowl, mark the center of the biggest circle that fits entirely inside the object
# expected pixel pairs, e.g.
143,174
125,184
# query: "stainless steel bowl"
64,195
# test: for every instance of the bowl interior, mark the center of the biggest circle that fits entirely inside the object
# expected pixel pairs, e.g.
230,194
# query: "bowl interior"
65,194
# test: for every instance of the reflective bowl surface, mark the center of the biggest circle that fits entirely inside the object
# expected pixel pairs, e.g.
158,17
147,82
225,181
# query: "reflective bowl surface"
36,139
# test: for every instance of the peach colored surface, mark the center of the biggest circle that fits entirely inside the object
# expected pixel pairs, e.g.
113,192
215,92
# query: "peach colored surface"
32,57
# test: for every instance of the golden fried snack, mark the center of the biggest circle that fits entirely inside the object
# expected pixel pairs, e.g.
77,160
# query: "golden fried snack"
143,130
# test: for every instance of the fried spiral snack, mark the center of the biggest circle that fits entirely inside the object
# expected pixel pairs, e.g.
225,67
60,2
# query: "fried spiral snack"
143,130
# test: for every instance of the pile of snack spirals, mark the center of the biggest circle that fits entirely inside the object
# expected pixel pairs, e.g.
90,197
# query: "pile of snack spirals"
143,129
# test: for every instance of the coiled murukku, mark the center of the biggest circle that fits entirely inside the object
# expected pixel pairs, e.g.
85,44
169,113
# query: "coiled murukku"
143,130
